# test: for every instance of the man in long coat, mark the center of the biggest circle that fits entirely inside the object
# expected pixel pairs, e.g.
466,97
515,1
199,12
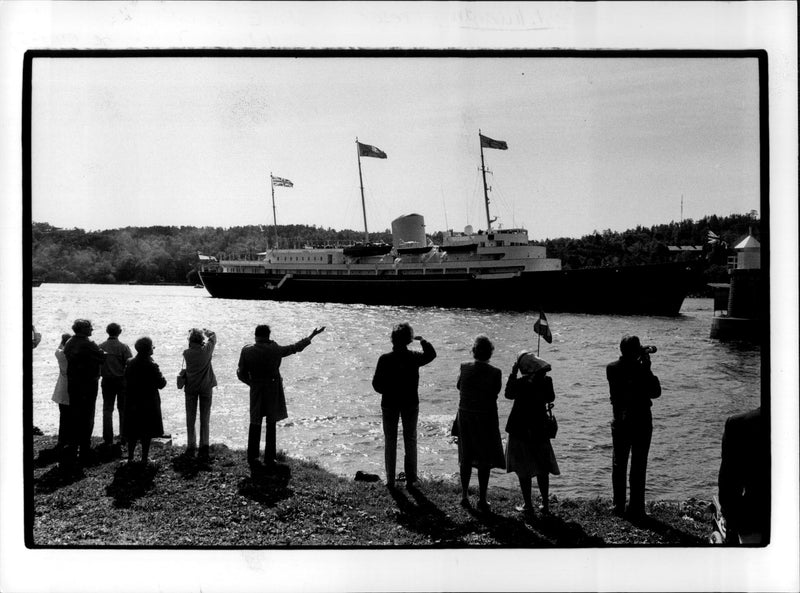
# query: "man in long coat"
84,361
259,367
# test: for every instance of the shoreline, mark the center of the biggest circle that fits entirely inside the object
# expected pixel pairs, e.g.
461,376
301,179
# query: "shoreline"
181,503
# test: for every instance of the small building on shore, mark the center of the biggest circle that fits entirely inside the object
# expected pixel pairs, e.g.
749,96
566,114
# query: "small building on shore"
738,306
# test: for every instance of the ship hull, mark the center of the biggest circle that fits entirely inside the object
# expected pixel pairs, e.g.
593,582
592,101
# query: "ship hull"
637,290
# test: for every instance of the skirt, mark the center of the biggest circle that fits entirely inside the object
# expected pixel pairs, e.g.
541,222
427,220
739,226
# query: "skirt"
479,443
530,457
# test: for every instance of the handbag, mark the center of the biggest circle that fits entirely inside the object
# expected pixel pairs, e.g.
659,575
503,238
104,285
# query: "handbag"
454,428
552,423
181,379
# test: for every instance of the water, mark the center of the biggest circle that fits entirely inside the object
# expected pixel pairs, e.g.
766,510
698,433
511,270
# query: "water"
334,415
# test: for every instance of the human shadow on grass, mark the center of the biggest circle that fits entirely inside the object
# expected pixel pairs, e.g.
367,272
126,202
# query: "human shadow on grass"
58,477
671,534
267,485
509,531
131,481
48,456
419,514
560,533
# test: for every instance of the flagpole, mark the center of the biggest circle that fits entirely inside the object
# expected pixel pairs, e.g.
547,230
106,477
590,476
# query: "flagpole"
538,341
361,184
485,187
274,216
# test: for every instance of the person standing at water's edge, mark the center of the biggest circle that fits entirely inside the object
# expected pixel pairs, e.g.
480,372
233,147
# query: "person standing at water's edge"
84,360
142,418
632,385
60,394
397,380
744,478
529,452
200,382
259,367
479,442
112,383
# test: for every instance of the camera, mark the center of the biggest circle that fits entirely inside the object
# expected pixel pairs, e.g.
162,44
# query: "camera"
649,349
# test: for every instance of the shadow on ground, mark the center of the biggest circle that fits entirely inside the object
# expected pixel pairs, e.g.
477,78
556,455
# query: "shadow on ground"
131,481
58,477
267,486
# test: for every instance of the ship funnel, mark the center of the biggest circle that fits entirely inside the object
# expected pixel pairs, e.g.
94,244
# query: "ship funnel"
409,231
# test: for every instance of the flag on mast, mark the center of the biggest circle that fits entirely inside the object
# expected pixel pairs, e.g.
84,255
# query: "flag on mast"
487,142
542,328
281,182
367,150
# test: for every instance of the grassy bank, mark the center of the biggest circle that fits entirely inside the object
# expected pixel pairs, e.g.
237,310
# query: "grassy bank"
181,502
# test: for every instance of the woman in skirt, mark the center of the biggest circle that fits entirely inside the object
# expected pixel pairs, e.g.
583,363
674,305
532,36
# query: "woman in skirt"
529,452
479,444
142,419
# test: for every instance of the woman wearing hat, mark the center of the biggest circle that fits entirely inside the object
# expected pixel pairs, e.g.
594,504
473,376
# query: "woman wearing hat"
479,443
529,452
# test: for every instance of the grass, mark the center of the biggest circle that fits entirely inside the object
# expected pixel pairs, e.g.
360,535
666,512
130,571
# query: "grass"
180,502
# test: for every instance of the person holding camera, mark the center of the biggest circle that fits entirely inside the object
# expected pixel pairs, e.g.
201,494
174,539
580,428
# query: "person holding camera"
632,385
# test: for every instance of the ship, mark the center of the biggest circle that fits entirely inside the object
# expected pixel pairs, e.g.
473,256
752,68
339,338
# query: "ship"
495,268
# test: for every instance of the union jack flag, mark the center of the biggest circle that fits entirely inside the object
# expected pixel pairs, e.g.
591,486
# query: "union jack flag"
281,182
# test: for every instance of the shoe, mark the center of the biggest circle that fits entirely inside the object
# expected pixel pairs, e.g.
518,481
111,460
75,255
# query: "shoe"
484,506
524,509
465,503
617,511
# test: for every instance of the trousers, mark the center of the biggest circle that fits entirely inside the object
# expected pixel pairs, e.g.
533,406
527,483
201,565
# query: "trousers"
113,389
391,417
192,402
630,437
254,442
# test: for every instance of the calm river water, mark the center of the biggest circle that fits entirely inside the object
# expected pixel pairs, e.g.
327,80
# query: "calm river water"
334,415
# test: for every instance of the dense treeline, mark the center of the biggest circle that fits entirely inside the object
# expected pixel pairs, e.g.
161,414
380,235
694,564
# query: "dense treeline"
169,254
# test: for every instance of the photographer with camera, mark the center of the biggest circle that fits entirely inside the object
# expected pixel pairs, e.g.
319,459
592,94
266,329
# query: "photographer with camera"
632,385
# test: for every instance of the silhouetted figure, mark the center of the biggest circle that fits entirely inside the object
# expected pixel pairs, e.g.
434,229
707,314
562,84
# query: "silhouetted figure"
259,367
479,443
632,385
744,478
142,418
60,393
529,452
84,360
396,378
200,382
112,383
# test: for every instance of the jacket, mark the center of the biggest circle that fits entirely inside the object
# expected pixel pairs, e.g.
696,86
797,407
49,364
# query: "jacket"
396,375
259,367
632,387
200,377
479,384
528,416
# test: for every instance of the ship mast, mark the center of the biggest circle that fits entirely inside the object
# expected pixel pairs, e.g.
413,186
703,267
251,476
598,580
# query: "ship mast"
361,184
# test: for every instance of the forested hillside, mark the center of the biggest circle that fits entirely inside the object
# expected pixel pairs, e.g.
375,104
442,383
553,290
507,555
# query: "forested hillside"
169,254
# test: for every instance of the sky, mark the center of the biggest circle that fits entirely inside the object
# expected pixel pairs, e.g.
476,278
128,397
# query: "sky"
593,143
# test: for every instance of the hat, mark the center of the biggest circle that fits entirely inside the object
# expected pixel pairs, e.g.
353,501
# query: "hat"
530,364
